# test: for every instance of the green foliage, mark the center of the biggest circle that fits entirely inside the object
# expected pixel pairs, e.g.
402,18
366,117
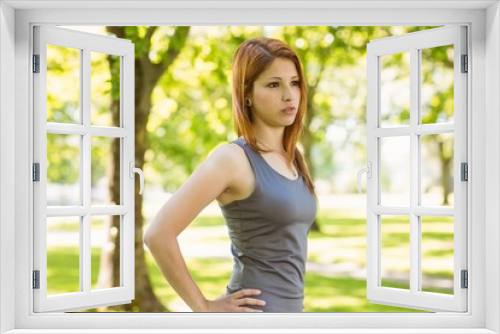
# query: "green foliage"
195,112
192,105
63,167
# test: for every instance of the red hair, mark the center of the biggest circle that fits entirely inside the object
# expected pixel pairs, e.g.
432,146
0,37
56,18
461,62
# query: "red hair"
251,59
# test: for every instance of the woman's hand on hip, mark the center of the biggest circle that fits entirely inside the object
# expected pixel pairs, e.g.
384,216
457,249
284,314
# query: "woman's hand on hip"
236,302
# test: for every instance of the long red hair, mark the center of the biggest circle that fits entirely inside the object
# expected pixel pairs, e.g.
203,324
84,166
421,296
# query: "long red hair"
252,57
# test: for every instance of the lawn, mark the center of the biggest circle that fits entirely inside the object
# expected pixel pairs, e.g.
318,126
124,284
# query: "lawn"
341,243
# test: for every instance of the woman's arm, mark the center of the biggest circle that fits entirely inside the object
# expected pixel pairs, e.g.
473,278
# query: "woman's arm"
208,181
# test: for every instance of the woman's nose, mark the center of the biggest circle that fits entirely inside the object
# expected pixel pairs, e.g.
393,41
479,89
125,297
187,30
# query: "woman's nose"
287,95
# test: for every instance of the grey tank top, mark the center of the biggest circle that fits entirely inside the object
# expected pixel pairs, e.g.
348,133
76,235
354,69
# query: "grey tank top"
268,232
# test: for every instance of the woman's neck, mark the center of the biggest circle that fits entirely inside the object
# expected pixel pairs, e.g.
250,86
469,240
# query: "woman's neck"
270,139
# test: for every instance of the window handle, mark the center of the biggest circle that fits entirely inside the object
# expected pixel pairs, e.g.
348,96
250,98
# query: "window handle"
368,171
136,170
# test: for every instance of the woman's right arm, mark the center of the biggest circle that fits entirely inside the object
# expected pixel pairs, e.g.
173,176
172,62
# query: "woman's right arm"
208,181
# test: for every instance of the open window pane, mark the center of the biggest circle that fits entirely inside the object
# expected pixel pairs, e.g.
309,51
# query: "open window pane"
105,190
63,84
63,170
437,84
105,89
64,155
395,171
63,255
438,95
437,254
437,169
395,89
395,251
105,239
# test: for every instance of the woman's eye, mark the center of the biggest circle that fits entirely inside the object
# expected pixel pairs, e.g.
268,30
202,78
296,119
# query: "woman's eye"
275,84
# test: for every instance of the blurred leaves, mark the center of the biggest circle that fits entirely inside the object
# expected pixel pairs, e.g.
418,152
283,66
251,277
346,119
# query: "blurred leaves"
192,106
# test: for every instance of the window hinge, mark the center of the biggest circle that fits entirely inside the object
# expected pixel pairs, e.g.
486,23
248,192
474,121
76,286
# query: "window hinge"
36,279
465,64
465,279
36,63
464,172
36,172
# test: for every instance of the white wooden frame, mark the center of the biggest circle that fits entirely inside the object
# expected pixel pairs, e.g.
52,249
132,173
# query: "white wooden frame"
86,44
413,43
483,19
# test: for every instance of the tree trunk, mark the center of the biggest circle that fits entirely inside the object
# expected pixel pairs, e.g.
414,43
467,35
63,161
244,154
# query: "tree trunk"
109,275
445,172
147,75
145,298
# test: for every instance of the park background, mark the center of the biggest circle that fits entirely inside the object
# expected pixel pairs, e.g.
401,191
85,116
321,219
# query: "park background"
183,112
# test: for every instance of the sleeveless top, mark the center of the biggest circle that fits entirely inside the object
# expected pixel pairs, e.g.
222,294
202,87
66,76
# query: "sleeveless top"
268,232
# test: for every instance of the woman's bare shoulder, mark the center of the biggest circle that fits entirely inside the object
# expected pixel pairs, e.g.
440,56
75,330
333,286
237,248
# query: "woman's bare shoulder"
229,153
231,158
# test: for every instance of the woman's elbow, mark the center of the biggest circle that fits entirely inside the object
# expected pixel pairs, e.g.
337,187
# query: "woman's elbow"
154,238
150,237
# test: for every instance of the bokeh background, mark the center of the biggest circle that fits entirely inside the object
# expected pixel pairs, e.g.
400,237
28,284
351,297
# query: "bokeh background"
183,112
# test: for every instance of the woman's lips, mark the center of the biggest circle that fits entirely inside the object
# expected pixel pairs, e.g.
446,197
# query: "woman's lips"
289,110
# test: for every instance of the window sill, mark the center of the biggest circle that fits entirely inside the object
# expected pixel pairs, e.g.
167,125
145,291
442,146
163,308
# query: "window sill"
263,330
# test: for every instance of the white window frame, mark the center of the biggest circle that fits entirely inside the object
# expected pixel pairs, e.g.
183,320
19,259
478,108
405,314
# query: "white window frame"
415,296
85,43
483,21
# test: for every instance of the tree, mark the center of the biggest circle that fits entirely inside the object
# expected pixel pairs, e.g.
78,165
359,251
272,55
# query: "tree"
196,104
147,74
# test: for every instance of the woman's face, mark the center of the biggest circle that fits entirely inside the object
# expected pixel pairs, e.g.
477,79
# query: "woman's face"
274,90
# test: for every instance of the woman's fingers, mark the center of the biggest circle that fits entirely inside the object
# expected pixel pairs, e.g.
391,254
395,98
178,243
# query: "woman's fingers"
239,299
230,303
250,301
246,292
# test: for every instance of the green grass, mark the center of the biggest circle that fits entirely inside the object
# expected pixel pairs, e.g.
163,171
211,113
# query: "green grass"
63,269
323,293
326,294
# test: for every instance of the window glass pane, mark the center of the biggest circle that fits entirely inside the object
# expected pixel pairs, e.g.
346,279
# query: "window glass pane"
437,84
105,89
395,171
395,89
437,254
63,255
63,170
105,241
63,84
437,169
395,251
105,187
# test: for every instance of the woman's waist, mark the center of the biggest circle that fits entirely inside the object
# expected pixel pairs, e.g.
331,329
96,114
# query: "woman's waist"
274,301
288,284
284,264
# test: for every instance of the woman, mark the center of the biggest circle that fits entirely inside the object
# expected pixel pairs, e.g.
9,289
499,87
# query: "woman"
262,185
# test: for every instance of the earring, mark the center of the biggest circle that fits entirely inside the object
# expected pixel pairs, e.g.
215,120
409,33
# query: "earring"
248,103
